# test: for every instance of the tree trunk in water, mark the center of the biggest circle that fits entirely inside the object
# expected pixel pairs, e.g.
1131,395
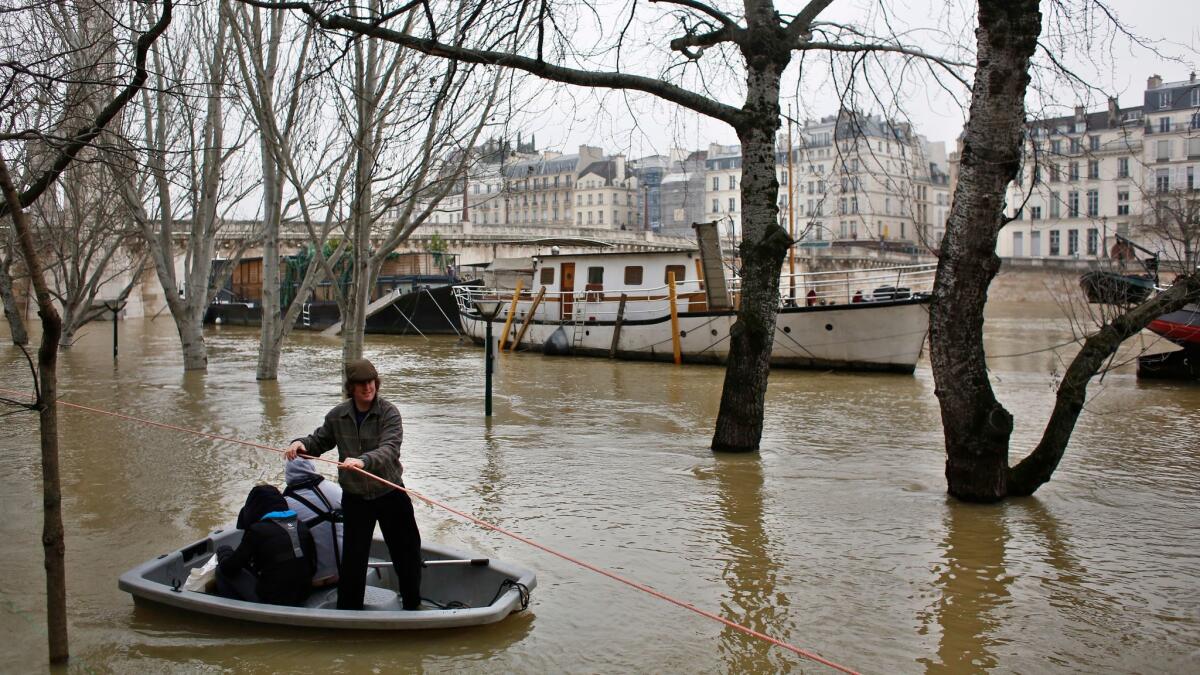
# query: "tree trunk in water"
270,338
191,337
16,325
366,90
356,307
54,544
70,325
976,426
764,244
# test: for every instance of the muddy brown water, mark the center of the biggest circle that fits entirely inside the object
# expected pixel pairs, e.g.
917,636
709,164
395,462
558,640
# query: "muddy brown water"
838,537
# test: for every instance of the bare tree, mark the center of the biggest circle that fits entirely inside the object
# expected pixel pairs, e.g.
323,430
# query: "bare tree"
46,77
281,105
87,245
77,229
756,43
977,428
405,121
183,183
1171,220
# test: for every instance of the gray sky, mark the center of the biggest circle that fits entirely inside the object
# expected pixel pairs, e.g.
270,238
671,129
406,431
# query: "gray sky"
562,118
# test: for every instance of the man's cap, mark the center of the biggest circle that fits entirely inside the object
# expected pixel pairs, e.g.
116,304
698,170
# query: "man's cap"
360,370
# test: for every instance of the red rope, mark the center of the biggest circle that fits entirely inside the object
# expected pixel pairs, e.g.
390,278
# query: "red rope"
496,528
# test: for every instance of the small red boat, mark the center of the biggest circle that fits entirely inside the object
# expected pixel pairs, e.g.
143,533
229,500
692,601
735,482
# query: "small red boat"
1181,327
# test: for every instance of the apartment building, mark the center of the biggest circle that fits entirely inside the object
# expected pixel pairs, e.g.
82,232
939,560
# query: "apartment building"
861,177
722,181
1092,175
1078,185
682,195
547,189
1171,193
539,192
606,195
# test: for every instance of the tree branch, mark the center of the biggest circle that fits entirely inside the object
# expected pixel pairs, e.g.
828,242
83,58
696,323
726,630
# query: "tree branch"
707,9
946,64
556,73
86,135
1036,469
800,27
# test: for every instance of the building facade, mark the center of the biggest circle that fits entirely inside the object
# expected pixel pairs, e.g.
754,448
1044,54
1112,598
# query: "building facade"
1090,176
859,177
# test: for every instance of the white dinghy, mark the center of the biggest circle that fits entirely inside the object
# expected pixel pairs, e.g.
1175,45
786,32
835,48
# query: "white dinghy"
456,590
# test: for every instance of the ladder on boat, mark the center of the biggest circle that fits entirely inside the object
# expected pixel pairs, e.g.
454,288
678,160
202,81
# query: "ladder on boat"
579,320
581,315
306,314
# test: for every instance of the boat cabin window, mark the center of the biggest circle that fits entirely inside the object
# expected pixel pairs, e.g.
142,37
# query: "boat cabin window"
595,279
680,273
547,275
633,275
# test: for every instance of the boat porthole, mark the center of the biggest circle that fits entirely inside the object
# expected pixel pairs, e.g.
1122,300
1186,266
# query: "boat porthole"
787,329
683,333
587,332
828,326
714,332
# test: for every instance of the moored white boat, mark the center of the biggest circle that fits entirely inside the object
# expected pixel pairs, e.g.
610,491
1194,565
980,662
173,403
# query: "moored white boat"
865,319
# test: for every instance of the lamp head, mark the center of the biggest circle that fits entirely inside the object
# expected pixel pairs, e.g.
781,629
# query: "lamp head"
488,308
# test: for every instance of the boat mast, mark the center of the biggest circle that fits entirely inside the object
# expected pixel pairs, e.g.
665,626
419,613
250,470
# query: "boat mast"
791,212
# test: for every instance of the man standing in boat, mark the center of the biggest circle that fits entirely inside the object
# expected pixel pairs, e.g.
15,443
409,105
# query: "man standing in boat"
367,431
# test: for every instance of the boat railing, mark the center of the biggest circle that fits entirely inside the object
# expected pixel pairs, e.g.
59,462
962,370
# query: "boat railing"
852,286
586,305
598,305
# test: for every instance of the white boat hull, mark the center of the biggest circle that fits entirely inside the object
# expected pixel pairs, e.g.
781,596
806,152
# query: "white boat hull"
880,336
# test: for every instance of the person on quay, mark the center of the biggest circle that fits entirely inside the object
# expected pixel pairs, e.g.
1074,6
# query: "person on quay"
367,431
275,560
318,504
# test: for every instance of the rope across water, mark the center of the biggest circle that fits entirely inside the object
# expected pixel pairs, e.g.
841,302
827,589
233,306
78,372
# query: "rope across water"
495,528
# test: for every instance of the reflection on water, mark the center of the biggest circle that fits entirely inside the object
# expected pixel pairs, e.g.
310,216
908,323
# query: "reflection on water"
751,571
973,583
836,538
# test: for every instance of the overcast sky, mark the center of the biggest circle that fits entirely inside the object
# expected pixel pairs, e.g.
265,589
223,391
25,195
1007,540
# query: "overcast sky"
563,118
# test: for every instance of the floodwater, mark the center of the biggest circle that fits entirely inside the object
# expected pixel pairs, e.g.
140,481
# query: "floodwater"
837,538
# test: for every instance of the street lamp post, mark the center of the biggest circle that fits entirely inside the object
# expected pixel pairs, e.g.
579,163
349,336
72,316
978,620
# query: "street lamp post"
488,309
114,306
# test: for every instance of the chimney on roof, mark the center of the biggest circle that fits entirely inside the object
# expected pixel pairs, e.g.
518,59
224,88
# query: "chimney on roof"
1193,77
1080,113
1114,112
1153,82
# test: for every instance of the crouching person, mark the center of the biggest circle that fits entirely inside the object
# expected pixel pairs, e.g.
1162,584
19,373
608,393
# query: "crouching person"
276,559
318,504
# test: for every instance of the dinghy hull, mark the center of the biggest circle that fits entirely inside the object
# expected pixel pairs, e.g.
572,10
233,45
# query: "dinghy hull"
467,593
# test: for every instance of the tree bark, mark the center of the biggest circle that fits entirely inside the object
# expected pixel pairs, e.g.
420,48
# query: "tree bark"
976,426
16,325
54,545
764,243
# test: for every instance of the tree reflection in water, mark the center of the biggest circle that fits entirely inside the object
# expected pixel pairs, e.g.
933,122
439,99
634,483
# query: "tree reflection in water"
977,583
750,571
974,588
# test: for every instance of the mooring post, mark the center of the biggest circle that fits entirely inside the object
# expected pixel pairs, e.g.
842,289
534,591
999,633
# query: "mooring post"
674,318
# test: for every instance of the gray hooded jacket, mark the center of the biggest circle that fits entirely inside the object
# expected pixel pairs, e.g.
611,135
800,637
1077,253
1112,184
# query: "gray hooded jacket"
315,500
